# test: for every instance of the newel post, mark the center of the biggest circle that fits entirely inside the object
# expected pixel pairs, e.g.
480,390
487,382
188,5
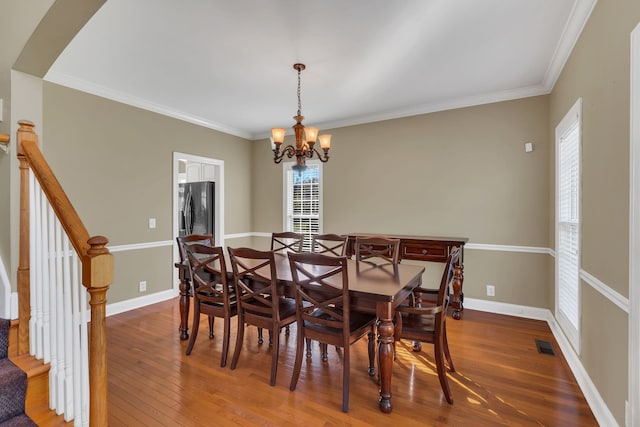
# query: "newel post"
97,275
25,133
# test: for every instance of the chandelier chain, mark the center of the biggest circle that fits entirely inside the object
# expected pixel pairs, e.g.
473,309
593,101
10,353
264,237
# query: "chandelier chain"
299,102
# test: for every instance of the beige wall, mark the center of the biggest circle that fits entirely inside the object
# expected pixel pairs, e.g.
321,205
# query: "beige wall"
14,33
115,163
461,172
598,71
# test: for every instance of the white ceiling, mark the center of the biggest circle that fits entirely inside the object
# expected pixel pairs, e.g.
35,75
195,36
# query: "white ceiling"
228,64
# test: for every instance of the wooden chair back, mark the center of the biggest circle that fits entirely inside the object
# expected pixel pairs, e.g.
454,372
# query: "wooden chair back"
377,250
211,292
255,281
428,323
208,273
323,312
329,244
286,241
322,292
183,241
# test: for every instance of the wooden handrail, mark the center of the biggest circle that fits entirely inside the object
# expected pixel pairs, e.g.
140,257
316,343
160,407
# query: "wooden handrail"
97,266
4,138
69,219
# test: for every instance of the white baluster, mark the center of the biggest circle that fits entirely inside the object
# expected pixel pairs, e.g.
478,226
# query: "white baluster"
84,337
50,355
60,331
68,331
33,270
76,289
42,296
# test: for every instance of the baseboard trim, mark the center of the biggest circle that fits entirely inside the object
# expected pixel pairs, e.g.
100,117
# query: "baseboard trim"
594,399
6,311
132,304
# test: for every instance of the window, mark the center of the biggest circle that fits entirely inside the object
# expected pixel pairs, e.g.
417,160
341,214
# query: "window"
303,201
568,176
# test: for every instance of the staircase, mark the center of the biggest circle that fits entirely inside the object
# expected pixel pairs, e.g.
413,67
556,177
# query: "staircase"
13,385
36,375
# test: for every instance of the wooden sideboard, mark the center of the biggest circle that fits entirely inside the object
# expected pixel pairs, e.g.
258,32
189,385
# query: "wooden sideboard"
424,248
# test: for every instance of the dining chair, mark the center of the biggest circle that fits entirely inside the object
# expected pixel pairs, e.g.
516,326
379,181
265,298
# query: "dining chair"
212,294
329,244
428,323
286,241
183,243
323,311
377,250
259,301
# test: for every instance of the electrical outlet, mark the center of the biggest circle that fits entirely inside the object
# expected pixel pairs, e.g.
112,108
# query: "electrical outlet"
491,291
142,287
152,223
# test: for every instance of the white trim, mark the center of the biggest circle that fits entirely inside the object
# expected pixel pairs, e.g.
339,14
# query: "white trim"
509,248
137,246
14,306
597,404
615,297
577,20
573,116
606,291
633,415
132,304
128,99
260,234
507,309
5,287
250,234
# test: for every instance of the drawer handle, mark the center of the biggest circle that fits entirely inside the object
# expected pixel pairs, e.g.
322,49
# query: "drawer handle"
424,252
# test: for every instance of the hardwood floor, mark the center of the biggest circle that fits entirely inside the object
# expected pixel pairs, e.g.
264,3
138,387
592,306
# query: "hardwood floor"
501,379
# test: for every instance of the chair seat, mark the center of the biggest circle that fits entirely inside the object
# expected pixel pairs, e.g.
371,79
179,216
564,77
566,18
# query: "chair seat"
418,323
357,322
286,307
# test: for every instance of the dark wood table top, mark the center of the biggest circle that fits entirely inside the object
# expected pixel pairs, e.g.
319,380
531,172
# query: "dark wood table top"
372,282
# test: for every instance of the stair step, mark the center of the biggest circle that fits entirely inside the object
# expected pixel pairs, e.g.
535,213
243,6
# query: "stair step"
13,387
13,338
38,380
19,421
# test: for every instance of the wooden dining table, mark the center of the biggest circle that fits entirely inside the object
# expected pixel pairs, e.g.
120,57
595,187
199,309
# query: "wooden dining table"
375,289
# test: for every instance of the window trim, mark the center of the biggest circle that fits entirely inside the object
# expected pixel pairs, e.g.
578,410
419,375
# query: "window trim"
288,166
573,116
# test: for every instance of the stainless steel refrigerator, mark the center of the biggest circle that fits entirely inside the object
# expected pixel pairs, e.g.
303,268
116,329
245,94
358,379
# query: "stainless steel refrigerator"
197,205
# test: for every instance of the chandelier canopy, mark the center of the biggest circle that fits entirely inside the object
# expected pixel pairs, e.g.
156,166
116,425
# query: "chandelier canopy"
306,138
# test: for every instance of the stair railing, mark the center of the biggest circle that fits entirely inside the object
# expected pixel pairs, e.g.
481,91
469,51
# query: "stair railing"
55,252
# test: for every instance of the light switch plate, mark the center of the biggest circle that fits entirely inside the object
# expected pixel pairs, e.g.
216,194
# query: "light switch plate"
152,223
528,147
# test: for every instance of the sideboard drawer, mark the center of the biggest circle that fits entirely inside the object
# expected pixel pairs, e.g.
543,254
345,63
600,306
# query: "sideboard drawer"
422,252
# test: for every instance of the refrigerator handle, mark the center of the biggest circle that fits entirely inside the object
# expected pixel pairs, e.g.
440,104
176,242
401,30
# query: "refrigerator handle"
188,217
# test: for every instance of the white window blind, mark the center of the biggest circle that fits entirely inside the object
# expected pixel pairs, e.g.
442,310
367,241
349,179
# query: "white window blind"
303,201
568,224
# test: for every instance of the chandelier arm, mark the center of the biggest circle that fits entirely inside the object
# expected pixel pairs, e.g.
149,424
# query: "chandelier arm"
278,155
323,158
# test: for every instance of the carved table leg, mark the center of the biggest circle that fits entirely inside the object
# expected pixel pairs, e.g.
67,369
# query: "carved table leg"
417,345
456,304
184,306
385,354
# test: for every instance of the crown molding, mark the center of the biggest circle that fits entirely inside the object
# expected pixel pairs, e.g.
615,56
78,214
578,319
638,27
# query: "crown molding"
124,98
575,24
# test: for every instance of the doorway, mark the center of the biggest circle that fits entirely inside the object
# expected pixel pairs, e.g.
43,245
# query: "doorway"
191,168
633,412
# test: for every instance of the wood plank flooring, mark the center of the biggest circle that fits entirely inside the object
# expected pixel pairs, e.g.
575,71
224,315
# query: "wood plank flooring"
501,379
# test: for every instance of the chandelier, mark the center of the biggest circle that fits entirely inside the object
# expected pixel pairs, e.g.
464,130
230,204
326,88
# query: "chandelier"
304,148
